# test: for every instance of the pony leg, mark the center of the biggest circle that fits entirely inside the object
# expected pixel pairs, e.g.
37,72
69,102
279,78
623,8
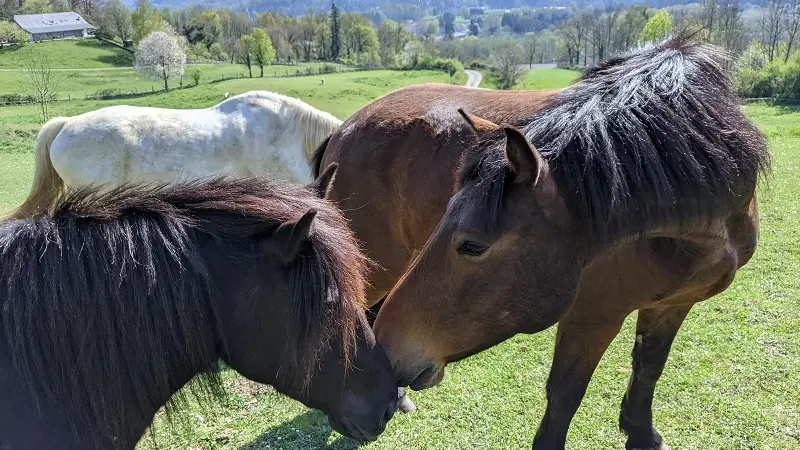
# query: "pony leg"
581,340
655,330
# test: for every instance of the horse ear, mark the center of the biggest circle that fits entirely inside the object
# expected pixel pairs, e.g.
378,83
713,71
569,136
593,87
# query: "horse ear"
478,125
523,158
322,185
294,233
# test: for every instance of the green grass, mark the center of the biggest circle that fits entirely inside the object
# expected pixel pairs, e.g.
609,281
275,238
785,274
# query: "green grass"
88,66
70,54
537,79
731,381
544,79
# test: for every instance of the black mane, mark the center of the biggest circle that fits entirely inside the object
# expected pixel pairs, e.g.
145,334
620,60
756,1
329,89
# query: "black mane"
646,139
100,300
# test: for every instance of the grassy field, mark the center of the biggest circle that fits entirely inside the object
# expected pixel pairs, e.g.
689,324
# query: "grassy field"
88,66
548,79
731,381
537,79
70,54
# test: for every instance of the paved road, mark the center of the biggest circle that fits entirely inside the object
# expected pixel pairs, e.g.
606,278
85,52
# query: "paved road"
473,78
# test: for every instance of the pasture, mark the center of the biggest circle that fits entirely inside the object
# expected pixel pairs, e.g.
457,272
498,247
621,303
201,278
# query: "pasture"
86,67
731,380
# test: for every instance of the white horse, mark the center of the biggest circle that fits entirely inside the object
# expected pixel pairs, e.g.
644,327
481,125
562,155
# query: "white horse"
255,134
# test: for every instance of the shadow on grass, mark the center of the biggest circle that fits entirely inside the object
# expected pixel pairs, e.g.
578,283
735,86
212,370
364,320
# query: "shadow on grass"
120,58
309,430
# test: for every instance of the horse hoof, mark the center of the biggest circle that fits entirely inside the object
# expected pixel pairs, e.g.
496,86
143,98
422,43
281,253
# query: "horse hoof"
404,404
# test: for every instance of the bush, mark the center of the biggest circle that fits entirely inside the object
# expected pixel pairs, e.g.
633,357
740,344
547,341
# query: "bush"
196,74
105,94
478,65
17,98
327,68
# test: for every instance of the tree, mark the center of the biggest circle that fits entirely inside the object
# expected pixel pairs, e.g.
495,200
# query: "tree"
336,32
792,26
262,50
603,28
508,57
447,22
41,82
119,19
145,19
161,56
36,7
413,52
430,29
474,28
11,34
530,45
657,27
630,27
772,26
217,53
392,39
244,52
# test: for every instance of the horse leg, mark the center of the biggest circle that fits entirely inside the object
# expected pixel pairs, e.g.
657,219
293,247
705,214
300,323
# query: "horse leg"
580,343
655,330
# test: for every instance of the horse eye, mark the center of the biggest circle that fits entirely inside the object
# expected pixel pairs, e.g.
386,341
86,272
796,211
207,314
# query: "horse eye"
471,248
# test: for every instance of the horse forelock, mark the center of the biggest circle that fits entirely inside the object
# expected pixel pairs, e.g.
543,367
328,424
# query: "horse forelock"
84,273
652,138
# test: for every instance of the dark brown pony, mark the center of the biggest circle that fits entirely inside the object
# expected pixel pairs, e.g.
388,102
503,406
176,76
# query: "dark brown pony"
113,304
641,196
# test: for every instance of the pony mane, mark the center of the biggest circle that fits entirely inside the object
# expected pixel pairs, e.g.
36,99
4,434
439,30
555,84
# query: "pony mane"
647,139
101,299
314,124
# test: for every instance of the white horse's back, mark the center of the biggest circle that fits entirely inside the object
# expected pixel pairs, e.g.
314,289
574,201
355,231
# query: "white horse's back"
255,134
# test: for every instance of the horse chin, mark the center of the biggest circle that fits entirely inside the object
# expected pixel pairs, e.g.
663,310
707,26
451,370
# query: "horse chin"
429,378
350,430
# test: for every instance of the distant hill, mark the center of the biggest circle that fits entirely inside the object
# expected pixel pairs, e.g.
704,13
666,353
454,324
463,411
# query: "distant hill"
398,9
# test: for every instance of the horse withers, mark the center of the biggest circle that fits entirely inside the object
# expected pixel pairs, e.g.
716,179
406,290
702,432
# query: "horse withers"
256,134
119,299
638,195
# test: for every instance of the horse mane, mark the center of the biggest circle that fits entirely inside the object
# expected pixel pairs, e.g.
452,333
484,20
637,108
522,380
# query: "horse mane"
313,124
101,299
646,139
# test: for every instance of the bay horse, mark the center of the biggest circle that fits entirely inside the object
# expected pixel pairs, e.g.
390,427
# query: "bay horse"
119,299
256,134
638,195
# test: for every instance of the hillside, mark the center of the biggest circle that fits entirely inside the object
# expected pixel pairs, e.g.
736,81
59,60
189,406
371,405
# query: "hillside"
71,54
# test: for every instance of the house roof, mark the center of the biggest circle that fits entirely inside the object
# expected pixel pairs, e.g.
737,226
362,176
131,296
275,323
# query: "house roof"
52,23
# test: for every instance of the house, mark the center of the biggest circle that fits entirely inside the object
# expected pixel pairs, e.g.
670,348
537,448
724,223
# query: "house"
46,27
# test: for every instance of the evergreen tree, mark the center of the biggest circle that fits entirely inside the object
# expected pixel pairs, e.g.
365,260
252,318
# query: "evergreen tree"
336,37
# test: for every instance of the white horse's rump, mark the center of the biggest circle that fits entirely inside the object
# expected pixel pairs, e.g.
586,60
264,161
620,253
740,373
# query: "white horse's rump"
255,134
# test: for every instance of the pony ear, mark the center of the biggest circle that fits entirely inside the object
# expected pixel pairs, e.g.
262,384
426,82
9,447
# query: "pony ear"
322,185
293,234
523,158
478,125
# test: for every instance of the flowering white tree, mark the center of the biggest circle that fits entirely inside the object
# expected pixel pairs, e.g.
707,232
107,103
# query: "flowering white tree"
161,56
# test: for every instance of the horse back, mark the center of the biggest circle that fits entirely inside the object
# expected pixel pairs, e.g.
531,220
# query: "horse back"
398,158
